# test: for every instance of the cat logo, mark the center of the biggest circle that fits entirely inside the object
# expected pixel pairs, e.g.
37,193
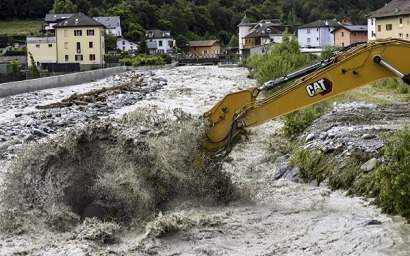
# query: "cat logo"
322,87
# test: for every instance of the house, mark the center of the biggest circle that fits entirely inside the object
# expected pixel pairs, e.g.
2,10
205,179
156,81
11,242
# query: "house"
317,34
43,49
159,42
255,37
371,28
392,20
205,49
350,34
126,45
112,25
78,39
52,19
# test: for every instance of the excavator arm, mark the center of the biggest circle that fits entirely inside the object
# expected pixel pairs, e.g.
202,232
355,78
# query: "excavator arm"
351,68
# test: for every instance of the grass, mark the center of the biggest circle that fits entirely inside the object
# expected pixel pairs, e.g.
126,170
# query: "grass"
383,92
20,27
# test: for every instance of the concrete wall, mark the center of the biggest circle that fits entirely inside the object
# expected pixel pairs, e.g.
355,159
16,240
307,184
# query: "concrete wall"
13,88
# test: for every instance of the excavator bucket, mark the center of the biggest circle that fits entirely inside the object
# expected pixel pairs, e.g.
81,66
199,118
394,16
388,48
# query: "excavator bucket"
221,118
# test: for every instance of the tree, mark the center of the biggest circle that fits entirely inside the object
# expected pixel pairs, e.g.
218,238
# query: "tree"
234,42
33,68
182,43
110,42
64,6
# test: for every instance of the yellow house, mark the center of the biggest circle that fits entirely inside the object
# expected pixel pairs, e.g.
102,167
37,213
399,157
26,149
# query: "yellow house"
78,39
43,49
393,20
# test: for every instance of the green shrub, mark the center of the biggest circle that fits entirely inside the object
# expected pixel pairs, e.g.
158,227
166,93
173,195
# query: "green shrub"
296,122
394,84
314,165
281,59
394,176
310,164
328,52
143,60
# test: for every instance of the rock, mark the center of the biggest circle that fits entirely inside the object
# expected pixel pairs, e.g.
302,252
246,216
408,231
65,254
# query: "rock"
281,167
368,136
39,133
369,165
310,137
373,222
323,136
18,115
144,130
29,138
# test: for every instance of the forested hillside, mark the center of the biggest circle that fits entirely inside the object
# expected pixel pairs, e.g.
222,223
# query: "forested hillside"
192,19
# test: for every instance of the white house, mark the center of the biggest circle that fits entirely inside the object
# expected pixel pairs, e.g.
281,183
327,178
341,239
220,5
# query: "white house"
371,28
52,19
257,38
245,28
317,34
125,45
112,25
159,41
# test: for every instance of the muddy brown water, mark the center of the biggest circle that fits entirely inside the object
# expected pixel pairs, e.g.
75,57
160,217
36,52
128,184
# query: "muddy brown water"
284,218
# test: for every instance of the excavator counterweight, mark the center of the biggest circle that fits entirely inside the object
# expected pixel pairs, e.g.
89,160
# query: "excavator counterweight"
348,69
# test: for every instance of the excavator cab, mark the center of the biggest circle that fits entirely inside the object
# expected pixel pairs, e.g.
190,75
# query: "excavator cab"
350,68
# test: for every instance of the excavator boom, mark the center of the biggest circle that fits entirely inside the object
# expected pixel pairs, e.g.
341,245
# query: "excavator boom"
349,69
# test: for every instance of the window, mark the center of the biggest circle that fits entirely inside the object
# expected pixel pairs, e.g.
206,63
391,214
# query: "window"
78,47
37,46
90,32
401,21
308,30
50,45
379,28
372,21
123,42
92,57
160,43
66,58
343,34
343,44
407,35
123,48
317,38
308,40
79,57
66,45
389,27
91,44
78,32
400,35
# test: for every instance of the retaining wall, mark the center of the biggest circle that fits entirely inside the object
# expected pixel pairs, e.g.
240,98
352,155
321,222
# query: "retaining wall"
13,88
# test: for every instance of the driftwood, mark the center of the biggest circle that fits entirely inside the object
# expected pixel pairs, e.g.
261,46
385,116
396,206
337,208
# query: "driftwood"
98,95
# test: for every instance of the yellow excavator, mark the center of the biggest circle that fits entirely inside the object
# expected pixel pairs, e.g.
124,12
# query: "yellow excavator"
348,69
